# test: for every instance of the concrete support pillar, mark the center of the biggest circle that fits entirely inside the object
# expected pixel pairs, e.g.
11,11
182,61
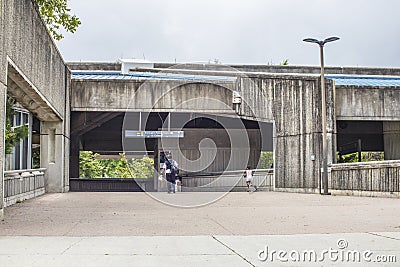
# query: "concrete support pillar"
53,156
391,137
3,92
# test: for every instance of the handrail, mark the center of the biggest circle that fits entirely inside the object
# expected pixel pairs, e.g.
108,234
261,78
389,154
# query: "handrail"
22,171
388,163
225,172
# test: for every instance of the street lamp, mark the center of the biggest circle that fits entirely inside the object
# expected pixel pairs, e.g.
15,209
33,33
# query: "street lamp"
323,100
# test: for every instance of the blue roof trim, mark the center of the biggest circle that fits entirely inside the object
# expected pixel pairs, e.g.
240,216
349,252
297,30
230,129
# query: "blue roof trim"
110,75
356,80
340,80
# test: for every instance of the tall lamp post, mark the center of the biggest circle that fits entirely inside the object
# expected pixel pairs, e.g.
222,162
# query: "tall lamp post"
321,44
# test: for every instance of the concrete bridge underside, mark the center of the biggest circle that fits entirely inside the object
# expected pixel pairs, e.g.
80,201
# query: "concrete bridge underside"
288,101
210,142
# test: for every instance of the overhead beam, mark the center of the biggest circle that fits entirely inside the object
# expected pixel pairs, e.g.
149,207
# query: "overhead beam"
84,125
30,98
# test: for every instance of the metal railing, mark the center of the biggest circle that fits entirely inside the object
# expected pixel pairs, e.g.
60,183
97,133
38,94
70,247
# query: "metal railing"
20,185
228,180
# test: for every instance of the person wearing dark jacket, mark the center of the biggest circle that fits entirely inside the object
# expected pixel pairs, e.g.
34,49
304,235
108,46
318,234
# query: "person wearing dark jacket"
170,173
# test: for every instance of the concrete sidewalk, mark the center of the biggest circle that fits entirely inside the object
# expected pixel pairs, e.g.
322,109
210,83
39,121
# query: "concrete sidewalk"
367,249
135,229
138,214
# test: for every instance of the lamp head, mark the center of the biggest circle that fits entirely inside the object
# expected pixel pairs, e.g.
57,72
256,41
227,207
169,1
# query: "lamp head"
321,43
311,40
331,39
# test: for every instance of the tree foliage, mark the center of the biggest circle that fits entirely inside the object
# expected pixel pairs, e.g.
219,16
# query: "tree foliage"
91,166
365,157
57,15
13,135
266,160
285,62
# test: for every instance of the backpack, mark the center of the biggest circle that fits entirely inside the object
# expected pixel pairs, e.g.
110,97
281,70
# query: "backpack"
174,168
171,165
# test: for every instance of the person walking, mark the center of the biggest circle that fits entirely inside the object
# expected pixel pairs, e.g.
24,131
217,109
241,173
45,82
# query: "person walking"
248,174
170,166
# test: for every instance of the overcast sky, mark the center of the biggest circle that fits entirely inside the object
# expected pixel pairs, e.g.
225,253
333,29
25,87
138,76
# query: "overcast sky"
236,31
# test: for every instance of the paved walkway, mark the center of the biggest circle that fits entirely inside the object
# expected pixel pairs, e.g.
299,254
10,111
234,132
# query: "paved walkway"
241,229
372,249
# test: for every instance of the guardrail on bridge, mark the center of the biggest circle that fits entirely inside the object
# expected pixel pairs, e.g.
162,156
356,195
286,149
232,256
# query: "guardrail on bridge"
228,180
367,179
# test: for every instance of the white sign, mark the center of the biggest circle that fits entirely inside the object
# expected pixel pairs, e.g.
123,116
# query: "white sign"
154,134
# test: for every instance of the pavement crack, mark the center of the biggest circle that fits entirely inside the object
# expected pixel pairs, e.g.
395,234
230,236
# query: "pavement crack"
71,228
231,249
388,237
73,244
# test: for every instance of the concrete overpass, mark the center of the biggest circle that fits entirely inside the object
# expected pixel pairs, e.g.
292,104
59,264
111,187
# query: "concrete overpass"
362,104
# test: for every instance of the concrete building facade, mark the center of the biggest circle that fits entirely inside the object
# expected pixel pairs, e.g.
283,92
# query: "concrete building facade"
33,72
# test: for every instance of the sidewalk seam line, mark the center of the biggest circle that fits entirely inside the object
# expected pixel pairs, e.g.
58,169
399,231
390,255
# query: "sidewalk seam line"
68,248
388,237
223,227
243,258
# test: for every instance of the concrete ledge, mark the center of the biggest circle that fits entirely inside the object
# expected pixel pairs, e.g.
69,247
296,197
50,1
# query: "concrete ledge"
8,201
365,165
224,189
298,190
335,192
365,193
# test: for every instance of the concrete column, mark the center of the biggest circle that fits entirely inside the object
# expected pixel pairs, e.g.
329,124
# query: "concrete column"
3,92
53,155
391,137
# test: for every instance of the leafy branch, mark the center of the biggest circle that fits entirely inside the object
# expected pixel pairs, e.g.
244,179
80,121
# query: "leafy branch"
14,135
56,14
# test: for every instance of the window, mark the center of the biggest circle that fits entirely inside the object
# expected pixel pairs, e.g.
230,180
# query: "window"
21,157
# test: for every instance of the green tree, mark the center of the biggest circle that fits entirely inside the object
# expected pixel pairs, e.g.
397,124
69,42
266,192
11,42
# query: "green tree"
14,135
89,165
266,160
135,168
56,15
285,62
365,157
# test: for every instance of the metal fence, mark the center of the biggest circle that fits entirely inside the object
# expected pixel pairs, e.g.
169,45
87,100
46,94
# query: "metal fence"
381,176
20,185
228,181
111,185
